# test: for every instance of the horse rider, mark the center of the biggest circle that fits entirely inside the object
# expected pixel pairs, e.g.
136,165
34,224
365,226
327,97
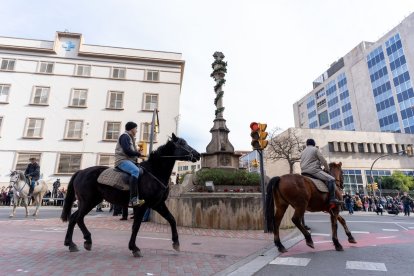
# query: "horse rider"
311,160
126,159
33,172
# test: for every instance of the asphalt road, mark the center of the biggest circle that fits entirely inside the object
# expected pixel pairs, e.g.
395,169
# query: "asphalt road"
45,212
384,247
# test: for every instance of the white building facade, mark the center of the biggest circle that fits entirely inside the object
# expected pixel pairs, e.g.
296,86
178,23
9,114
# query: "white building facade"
66,102
368,89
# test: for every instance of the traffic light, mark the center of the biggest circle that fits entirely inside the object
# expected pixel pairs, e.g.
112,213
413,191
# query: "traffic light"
369,186
142,148
375,186
255,163
259,135
409,150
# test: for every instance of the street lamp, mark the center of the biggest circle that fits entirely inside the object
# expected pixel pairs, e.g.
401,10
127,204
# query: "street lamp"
408,150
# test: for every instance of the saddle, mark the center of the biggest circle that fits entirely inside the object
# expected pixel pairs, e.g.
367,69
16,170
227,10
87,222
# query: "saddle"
116,178
319,184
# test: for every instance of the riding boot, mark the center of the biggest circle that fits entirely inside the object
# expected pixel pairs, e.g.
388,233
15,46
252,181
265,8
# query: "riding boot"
331,188
133,193
30,191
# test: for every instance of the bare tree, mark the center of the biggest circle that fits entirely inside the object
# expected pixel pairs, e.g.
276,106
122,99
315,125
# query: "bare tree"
287,145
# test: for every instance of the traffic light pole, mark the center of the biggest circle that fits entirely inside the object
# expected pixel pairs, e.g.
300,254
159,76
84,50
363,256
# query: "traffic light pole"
262,184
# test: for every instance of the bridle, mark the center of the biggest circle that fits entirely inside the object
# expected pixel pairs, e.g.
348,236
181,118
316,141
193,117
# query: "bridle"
190,154
15,182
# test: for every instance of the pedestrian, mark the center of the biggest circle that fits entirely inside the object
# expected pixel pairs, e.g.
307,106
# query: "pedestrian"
56,186
349,203
33,172
406,201
311,161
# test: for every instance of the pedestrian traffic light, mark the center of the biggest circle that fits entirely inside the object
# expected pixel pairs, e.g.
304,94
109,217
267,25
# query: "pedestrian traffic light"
259,135
142,148
369,187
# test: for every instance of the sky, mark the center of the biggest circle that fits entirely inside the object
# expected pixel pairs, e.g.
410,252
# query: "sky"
274,48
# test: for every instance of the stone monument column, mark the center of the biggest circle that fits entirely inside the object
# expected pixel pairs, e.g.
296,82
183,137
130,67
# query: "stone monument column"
220,152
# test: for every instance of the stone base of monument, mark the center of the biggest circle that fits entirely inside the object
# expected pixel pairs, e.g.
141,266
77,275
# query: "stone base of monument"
217,210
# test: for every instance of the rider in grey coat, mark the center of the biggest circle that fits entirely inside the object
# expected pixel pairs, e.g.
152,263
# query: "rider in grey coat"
311,161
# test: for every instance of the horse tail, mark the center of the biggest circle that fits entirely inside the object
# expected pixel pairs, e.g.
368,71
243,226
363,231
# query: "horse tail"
69,199
270,205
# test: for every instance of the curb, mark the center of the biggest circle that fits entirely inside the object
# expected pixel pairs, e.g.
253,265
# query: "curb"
253,263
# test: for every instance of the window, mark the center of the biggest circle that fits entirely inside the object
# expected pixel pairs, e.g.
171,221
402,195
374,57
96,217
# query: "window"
83,70
46,67
361,147
106,160
34,128
4,93
146,131
118,73
78,98
7,64
115,100
153,75
23,160
323,118
69,163
41,95
150,101
112,131
74,129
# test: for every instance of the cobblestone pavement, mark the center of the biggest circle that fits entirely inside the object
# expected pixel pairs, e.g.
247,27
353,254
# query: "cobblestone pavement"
35,247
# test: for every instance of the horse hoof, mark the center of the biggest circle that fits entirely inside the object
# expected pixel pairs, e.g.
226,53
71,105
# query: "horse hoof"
137,253
310,244
352,240
282,250
339,248
73,248
176,246
10,216
87,246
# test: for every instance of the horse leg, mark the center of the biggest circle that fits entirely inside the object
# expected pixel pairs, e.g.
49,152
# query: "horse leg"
162,209
139,212
36,201
297,220
25,203
280,211
14,207
84,209
334,226
69,233
348,233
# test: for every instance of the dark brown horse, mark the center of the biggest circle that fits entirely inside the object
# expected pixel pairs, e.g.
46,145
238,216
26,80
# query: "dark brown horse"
301,193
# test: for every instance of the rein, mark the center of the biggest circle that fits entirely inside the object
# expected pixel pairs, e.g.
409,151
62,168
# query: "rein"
16,182
156,178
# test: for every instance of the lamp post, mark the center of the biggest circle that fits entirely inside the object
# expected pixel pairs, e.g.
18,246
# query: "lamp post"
408,150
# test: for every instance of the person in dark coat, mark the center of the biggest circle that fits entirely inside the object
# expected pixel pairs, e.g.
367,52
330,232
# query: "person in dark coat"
33,172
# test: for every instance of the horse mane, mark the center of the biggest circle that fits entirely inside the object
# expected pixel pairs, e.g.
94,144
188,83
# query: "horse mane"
335,165
156,154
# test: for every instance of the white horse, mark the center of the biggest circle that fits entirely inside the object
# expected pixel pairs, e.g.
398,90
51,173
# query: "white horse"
21,190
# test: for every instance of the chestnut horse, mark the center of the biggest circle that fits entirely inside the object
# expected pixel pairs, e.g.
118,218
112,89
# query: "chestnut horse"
299,192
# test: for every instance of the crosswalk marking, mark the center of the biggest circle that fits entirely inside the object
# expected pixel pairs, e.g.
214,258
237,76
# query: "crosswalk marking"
365,266
291,261
390,230
387,237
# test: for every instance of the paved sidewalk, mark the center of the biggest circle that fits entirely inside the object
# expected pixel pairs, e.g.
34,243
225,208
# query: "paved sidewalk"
35,247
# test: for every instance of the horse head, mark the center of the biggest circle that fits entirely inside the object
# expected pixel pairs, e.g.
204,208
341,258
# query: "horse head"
335,170
182,151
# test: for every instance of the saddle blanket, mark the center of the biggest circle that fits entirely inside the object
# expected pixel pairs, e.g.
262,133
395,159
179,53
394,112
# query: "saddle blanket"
114,178
319,184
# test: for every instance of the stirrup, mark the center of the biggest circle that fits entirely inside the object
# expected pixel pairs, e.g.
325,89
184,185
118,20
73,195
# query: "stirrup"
136,202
